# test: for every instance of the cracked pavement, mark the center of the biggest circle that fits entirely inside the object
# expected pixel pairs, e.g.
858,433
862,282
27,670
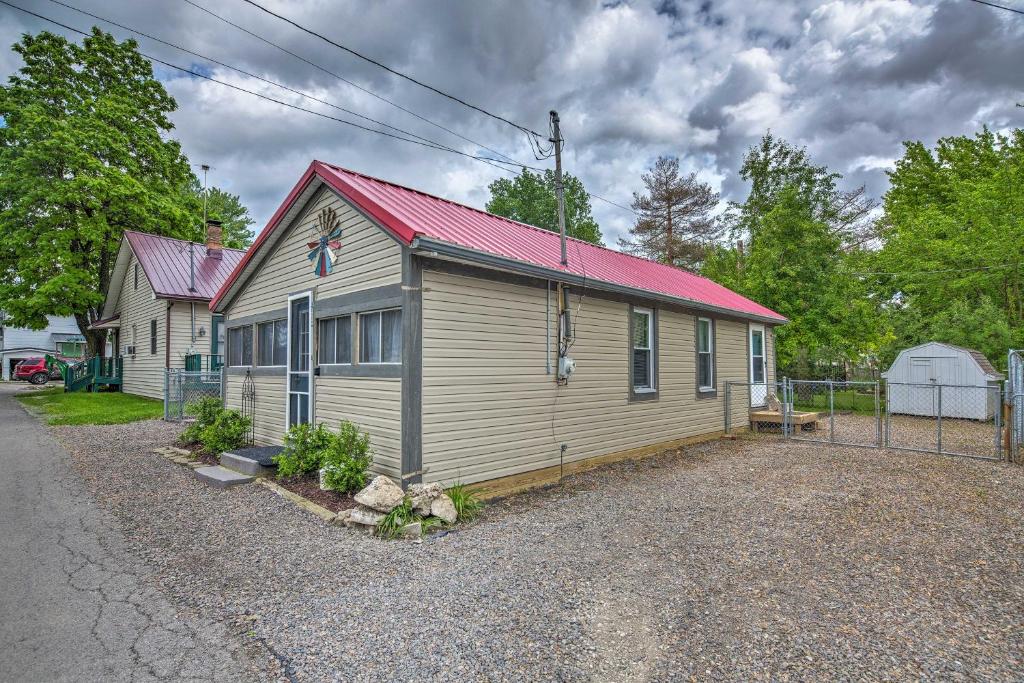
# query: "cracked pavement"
76,604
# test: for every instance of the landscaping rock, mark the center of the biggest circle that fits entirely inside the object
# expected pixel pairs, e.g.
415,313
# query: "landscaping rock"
412,530
323,486
364,516
343,517
382,495
443,508
422,495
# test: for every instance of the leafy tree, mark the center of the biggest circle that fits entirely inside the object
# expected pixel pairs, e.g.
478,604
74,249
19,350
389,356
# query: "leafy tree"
798,260
674,222
530,198
82,157
222,206
953,233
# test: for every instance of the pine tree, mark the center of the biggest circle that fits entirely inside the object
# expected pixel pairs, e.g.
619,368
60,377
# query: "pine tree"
674,223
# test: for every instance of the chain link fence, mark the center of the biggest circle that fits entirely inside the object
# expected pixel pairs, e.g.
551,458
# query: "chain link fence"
951,420
184,387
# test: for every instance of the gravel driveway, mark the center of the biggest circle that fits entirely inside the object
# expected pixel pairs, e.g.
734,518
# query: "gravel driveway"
737,560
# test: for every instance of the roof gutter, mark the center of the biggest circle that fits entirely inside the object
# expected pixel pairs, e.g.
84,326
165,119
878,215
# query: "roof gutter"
426,246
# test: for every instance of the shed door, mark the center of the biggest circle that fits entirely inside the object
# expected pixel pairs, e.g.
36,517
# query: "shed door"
758,368
300,352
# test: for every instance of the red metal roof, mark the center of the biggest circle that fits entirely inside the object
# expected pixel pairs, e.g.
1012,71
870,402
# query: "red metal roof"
410,214
165,261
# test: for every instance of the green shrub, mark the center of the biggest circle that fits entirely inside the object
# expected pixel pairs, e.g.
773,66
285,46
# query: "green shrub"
304,448
205,410
391,525
229,430
347,459
466,503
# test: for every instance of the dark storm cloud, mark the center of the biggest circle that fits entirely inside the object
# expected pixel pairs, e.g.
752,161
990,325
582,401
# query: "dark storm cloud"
851,80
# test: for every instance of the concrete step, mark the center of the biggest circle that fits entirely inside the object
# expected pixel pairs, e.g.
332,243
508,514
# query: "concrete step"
248,466
221,477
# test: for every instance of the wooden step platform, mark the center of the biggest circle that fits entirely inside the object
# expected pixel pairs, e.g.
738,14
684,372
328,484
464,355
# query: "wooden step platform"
807,422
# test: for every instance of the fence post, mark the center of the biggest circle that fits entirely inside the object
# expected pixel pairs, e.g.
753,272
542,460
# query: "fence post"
878,416
939,423
831,413
888,415
998,421
166,396
728,407
785,407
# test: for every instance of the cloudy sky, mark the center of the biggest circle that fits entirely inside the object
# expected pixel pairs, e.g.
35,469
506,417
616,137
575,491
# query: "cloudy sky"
850,80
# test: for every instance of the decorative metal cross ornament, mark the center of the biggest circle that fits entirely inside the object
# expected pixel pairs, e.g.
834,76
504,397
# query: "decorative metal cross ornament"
321,250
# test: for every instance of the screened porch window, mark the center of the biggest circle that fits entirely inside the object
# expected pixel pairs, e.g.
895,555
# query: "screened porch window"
240,346
705,354
272,342
336,340
380,336
643,350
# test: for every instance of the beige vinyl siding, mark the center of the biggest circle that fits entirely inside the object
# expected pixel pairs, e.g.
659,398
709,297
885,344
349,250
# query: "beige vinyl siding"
269,406
769,352
367,258
143,372
375,404
181,332
490,410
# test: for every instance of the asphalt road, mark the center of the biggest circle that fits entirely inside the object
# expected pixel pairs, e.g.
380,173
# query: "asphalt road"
75,603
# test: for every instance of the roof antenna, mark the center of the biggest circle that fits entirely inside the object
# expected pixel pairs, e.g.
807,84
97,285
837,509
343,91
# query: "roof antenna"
191,244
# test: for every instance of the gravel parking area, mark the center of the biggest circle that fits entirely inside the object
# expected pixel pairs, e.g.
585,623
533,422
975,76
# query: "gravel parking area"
751,559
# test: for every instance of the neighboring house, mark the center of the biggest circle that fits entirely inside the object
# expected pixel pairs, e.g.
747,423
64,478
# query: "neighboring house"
437,328
157,308
61,337
935,378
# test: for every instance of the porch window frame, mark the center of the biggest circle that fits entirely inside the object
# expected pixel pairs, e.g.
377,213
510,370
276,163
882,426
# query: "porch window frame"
283,322
351,340
361,316
241,331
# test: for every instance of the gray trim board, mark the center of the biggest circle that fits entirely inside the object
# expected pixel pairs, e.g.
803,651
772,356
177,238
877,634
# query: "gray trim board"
372,299
698,392
276,314
380,370
256,370
634,395
412,368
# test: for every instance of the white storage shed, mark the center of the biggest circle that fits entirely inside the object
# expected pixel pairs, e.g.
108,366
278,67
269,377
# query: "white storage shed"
969,384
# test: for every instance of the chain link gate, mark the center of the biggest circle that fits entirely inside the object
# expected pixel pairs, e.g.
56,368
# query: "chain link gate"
962,421
185,387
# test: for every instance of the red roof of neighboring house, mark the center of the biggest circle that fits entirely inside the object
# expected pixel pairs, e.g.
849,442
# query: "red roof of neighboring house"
411,214
165,261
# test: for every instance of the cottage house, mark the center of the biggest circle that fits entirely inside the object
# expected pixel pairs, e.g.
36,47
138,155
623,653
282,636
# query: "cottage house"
459,341
157,307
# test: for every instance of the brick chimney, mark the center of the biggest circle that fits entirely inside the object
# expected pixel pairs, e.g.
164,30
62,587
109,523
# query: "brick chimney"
214,245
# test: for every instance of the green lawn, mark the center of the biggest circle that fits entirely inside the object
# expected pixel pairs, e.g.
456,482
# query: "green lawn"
843,400
83,408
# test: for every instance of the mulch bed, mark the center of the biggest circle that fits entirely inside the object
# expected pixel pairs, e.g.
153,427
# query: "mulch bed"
308,486
198,453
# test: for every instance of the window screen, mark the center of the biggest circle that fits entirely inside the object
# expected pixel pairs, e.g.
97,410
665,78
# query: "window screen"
380,337
240,346
705,354
642,350
336,340
272,342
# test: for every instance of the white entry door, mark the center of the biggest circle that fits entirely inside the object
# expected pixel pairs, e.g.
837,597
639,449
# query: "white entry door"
758,368
300,353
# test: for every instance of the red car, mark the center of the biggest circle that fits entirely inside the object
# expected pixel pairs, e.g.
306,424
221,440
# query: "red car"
34,370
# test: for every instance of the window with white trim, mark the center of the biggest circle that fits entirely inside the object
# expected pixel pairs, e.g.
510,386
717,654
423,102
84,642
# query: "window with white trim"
705,354
240,346
272,343
643,350
336,340
380,336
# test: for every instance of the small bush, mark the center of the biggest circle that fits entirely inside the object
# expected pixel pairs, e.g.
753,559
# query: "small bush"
305,446
466,503
391,525
205,410
347,459
229,430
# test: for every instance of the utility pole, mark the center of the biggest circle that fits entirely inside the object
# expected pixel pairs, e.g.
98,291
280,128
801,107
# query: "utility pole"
556,139
191,246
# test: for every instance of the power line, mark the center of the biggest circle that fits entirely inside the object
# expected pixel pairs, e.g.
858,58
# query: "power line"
944,270
485,160
257,77
533,135
350,83
992,4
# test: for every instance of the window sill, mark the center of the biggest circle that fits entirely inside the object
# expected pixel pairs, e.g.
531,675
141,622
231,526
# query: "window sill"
707,392
636,395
